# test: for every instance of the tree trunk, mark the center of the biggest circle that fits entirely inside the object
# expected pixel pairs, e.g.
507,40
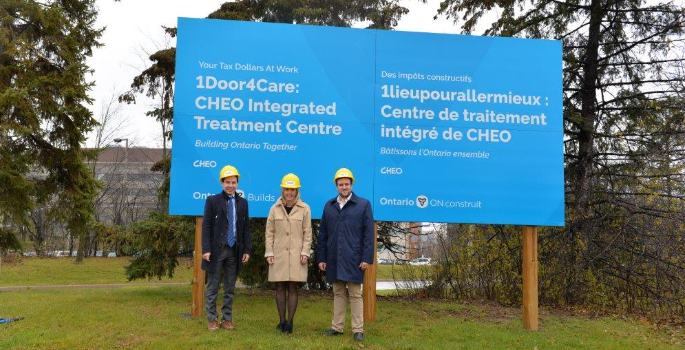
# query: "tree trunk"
95,245
586,137
71,245
82,237
588,111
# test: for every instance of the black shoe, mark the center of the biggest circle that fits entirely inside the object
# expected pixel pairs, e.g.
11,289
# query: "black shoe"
359,336
331,332
288,328
281,327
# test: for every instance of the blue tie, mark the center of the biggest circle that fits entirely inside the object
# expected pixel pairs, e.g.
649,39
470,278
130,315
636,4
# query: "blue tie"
231,229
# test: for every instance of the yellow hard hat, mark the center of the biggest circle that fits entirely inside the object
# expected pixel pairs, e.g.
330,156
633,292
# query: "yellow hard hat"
228,170
343,172
290,181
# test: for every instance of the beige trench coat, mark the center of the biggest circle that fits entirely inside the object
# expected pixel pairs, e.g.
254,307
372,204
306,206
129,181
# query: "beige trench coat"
287,238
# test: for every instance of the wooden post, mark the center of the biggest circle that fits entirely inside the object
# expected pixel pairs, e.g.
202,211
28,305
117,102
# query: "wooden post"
369,293
198,273
530,277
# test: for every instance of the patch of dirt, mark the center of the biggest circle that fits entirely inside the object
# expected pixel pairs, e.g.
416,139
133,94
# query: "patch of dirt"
129,341
481,310
477,311
153,313
12,259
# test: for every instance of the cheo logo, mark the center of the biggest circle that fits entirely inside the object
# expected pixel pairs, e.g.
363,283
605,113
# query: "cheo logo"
204,164
422,201
391,171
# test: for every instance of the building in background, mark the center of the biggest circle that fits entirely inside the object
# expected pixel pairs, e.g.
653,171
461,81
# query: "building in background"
130,187
410,240
128,193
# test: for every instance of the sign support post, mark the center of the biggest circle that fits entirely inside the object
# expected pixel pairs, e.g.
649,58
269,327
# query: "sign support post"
198,274
369,292
530,277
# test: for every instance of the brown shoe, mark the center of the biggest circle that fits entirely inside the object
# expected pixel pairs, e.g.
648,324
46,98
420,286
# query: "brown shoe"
212,326
227,325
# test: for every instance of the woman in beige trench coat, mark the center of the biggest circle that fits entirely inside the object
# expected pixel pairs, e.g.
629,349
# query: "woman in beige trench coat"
287,244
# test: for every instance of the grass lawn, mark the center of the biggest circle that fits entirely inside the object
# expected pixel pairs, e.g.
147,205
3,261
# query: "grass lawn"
144,317
37,271
400,272
139,317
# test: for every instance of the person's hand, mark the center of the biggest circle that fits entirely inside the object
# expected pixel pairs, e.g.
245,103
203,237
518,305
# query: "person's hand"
270,260
322,266
205,256
363,266
303,259
246,257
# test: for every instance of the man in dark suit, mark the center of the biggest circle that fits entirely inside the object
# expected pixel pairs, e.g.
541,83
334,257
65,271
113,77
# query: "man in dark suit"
226,245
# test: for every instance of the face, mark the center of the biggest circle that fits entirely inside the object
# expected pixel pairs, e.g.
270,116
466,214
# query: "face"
230,184
344,186
289,194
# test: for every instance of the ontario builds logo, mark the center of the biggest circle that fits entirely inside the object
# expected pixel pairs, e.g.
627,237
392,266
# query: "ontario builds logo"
259,197
423,202
420,201
204,196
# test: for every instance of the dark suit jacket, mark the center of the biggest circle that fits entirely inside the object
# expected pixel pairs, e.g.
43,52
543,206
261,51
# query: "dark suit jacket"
215,229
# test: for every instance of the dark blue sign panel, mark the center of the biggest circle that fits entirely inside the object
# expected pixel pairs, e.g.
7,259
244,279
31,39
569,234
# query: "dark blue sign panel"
440,128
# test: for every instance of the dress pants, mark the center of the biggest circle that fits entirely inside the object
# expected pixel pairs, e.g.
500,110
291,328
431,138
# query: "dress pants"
228,265
340,306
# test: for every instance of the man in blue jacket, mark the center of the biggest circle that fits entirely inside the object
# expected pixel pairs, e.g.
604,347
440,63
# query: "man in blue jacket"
345,250
226,245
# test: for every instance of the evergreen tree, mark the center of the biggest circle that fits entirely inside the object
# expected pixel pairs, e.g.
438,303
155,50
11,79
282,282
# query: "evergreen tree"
43,115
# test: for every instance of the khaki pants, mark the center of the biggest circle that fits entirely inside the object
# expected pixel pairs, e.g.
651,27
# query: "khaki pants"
340,306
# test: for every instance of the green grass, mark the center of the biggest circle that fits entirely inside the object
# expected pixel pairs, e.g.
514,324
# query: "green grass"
37,271
139,317
59,271
400,272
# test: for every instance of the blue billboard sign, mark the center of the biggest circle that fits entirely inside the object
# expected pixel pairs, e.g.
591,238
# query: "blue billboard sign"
443,128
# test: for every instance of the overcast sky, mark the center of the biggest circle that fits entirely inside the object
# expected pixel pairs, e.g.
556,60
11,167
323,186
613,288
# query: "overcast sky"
134,31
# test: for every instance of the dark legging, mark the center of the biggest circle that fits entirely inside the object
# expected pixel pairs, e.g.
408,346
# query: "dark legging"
292,300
